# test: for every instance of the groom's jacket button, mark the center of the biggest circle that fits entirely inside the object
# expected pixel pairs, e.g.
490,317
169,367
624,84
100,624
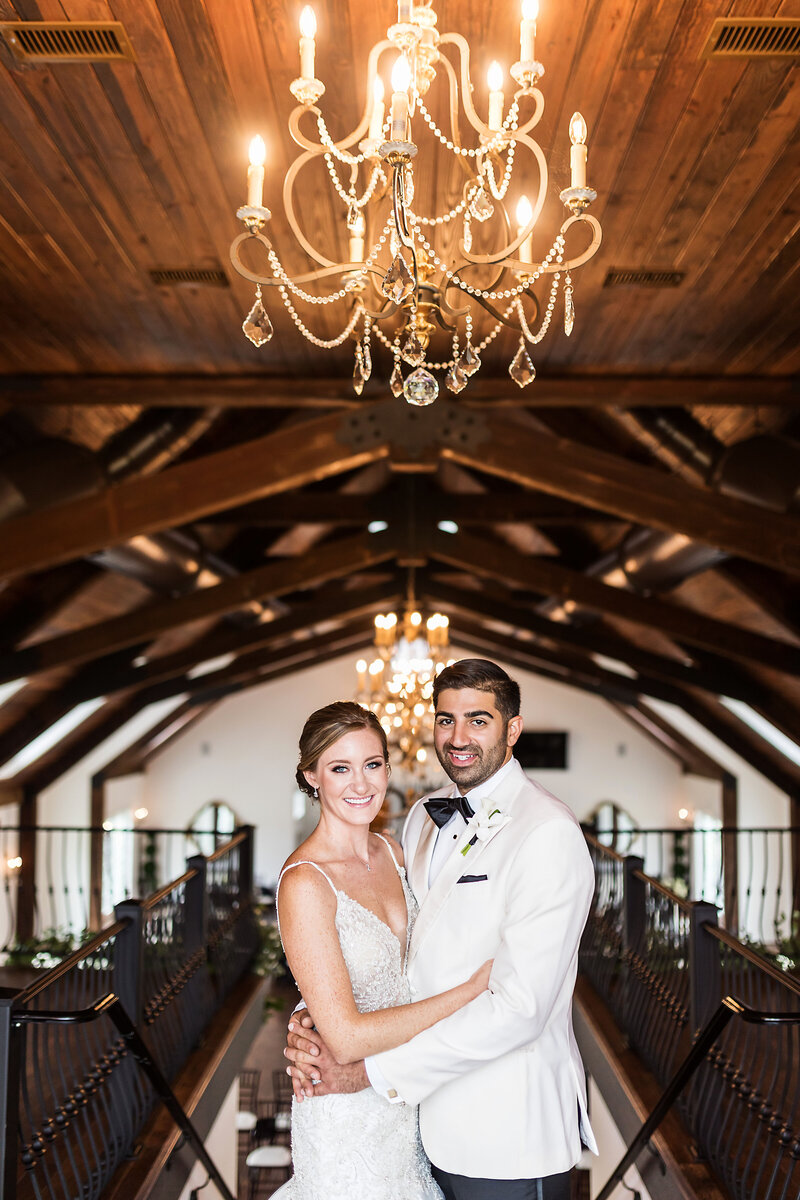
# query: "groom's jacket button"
472,878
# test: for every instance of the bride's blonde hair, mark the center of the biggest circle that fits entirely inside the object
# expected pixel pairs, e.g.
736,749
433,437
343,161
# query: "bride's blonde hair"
325,726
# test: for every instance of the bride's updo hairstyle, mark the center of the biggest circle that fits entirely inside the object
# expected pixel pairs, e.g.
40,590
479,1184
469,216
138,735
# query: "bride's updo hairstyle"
325,726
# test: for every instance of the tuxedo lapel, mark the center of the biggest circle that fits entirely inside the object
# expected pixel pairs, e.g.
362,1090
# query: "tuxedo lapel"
421,860
446,880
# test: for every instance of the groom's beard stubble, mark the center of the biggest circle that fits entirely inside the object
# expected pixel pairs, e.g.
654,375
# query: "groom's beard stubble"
488,761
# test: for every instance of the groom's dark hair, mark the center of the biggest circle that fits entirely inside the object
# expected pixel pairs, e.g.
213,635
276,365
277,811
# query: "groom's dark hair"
483,676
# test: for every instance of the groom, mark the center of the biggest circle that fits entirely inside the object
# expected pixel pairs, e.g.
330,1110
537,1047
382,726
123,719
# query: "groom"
503,874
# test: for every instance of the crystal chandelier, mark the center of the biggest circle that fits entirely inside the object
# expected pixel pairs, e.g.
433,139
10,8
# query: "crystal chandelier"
398,684
410,275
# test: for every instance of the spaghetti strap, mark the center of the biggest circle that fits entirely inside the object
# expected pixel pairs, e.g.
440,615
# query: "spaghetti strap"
388,846
307,863
304,863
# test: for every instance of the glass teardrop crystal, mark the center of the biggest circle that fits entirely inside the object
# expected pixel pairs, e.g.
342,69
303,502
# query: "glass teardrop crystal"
398,282
396,380
257,325
569,312
481,207
366,361
358,373
467,233
455,379
522,370
420,388
413,351
470,361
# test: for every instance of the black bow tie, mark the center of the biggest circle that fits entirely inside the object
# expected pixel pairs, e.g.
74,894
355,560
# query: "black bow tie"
441,808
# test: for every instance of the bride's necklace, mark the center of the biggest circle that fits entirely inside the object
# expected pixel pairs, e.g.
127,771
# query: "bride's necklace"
358,858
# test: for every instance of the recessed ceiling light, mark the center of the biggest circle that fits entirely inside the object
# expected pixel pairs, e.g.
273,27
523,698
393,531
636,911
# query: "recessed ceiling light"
447,526
377,526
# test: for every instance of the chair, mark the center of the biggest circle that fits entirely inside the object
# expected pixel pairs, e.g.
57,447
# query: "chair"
282,1087
249,1083
270,1161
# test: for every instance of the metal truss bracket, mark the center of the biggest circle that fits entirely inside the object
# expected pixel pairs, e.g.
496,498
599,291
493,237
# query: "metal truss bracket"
415,432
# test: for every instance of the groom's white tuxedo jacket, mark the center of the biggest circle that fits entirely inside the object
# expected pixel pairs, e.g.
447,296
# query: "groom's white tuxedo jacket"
500,1083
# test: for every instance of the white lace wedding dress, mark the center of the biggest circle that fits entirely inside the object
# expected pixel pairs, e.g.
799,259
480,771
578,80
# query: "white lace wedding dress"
361,1147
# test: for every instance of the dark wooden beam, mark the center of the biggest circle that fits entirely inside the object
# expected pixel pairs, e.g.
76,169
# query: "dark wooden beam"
730,852
713,716
336,606
132,759
96,818
207,690
26,893
485,558
265,391
41,596
665,735
336,508
489,606
328,561
642,494
755,750
277,462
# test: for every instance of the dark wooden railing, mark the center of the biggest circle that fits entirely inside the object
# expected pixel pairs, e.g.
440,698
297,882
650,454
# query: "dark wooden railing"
673,980
72,1099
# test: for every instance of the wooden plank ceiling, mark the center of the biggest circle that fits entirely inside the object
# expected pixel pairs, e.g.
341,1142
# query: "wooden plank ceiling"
171,494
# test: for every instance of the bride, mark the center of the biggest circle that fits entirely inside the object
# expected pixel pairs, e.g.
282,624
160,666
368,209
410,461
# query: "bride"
346,914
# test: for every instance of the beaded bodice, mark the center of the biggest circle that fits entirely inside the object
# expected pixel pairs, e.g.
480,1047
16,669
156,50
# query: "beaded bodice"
361,1145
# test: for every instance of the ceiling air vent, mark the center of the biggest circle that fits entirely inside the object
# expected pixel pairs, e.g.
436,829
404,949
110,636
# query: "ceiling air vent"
617,277
189,277
754,37
67,41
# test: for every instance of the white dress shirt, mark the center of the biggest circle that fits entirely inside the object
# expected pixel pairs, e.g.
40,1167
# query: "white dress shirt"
445,841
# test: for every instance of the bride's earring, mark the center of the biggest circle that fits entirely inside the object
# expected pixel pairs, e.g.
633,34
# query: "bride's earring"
315,793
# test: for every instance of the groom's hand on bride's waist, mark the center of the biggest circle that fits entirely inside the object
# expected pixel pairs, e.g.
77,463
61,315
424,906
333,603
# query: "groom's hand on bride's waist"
314,1070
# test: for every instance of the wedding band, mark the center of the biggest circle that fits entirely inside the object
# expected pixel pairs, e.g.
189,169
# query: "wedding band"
314,1082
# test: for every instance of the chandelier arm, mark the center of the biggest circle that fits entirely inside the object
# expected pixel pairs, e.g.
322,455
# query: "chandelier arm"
569,264
288,202
462,46
363,125
536,116
498,316
342,268
502,255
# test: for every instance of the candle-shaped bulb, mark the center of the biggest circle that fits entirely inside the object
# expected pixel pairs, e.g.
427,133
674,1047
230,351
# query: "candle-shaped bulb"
258,151
403,13
255,172
527,29
577,130
358,230
524,214
524,211
494,78
308,29
308,22
578,152
401,74
401,82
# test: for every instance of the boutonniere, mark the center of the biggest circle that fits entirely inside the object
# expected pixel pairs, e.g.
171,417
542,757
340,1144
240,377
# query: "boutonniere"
483,824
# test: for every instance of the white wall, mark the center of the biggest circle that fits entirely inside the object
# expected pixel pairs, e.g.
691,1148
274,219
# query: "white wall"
221,1144
245,753
611,1146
